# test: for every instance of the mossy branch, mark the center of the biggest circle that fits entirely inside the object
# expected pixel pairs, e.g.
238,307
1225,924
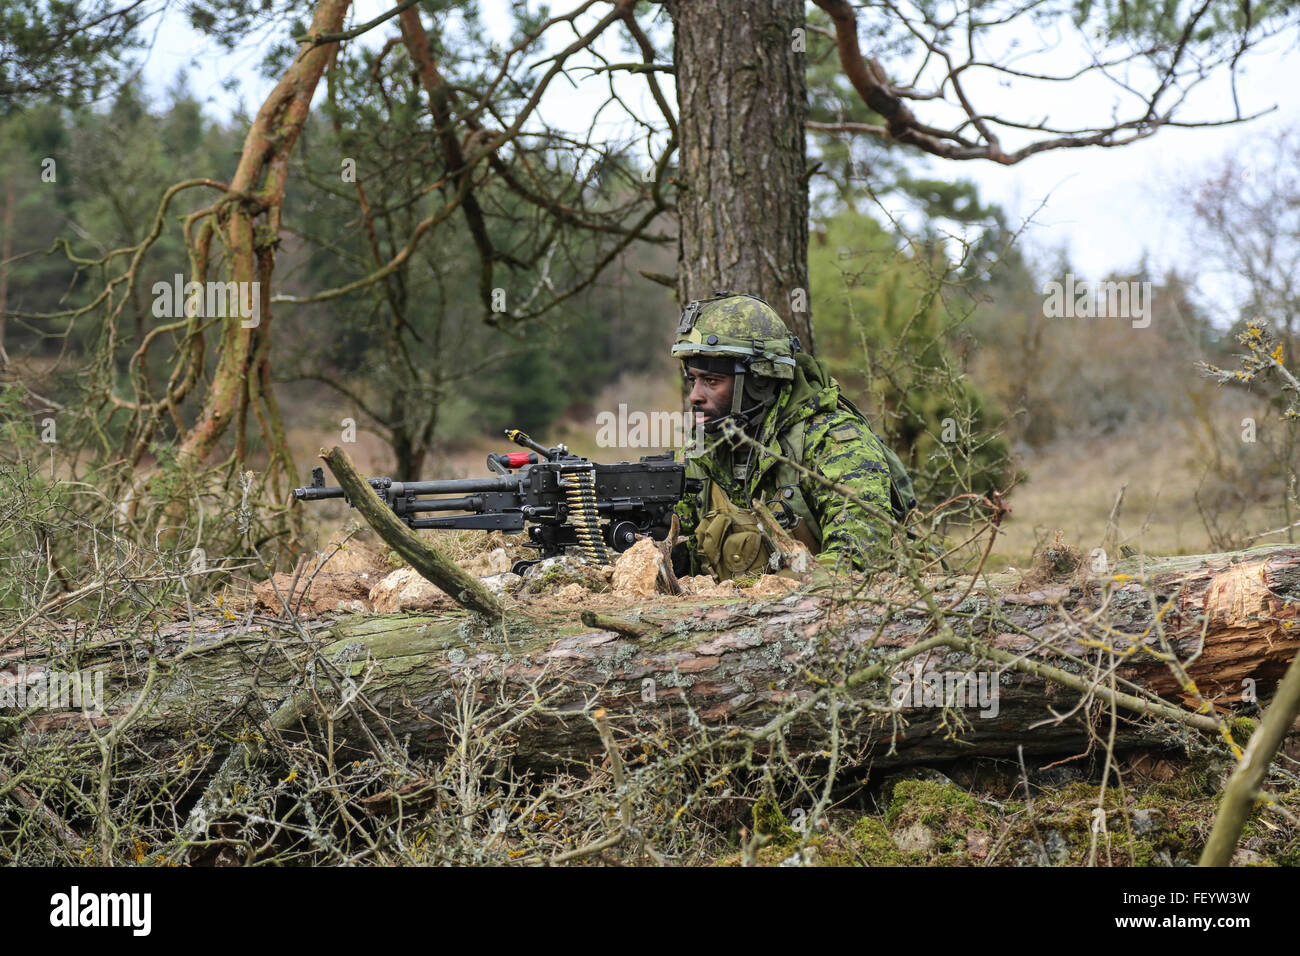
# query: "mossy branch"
430,563
1244,786
618,625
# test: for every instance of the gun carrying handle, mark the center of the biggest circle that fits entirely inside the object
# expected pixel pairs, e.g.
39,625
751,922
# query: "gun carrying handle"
521,438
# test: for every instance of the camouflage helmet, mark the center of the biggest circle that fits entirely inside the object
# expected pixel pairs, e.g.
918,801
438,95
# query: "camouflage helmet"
740,326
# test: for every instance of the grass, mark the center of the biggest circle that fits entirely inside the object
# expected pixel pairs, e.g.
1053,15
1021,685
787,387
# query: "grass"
1073,486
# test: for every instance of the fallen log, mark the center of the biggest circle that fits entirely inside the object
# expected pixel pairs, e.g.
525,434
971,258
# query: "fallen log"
1177,640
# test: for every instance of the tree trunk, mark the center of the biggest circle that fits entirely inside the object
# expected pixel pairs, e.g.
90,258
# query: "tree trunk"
743,187
729,667
242,374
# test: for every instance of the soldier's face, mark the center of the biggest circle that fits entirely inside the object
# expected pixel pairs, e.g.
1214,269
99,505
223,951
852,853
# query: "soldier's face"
710,393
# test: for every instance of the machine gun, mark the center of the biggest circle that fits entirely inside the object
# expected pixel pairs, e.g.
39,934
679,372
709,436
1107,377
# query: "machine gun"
562,500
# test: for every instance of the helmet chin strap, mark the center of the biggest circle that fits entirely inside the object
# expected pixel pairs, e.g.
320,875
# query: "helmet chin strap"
738,414
738,391
743,417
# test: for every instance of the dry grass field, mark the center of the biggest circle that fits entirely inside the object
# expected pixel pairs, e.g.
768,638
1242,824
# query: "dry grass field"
1072,488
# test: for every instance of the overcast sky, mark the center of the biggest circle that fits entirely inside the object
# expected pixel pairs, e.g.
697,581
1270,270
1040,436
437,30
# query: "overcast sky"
1107,207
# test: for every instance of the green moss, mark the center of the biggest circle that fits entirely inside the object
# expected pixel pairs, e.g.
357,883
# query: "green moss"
866,843
875,847
1241,729
560,575
928,802
1183,827
1289,854
948,812
1195,781
1177,829
942,816
770,821
1085,793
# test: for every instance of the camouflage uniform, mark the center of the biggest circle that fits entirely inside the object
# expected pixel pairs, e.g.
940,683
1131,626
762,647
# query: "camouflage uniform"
808,421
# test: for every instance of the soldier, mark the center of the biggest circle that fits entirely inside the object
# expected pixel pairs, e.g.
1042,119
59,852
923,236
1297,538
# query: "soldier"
744,368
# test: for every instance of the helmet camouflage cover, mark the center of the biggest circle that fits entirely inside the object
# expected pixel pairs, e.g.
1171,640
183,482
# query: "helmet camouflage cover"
740,326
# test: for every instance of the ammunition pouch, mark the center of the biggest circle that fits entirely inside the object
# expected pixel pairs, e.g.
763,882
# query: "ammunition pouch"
730,540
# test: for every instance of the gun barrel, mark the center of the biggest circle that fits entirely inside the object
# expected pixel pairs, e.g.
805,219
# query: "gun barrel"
316,494
398,489
456,486
464,503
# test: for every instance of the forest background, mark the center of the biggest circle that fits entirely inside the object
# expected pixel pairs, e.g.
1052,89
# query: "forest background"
927,300
445,233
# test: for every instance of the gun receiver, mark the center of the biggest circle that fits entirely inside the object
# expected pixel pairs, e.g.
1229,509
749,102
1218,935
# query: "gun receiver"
562,500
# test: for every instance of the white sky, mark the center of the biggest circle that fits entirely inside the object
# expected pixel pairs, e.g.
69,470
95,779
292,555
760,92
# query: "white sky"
1107,207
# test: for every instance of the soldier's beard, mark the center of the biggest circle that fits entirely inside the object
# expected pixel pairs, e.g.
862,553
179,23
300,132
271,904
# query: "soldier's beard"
710,417
712,426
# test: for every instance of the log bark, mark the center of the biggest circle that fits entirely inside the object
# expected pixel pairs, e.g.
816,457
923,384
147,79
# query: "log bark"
727,667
